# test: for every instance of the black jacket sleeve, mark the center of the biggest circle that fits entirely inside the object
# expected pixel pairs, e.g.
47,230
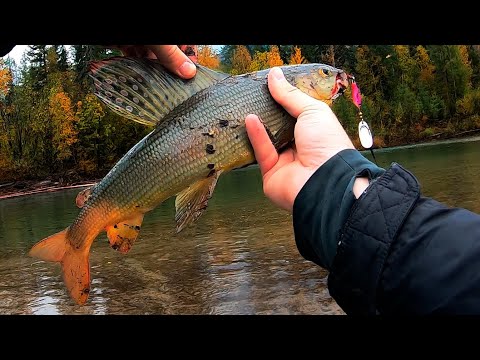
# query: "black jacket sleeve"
397,251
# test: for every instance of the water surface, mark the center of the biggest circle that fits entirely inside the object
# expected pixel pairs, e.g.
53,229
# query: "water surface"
239,258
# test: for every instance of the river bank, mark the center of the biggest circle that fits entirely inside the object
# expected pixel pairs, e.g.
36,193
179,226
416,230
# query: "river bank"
29,187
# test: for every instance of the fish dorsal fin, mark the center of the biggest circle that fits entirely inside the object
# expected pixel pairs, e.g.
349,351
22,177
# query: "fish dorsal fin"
192,201
143,90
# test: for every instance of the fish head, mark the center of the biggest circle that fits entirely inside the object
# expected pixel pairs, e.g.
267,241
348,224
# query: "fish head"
320,81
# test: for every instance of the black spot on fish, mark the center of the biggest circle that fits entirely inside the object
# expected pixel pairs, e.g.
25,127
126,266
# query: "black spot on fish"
115,226
137,227
311,85
236,136
166,96
86,291
137,206
210,166
210,149
115,246
211,173
234,126
223,123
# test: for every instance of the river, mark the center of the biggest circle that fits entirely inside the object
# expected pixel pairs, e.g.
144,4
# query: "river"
239,258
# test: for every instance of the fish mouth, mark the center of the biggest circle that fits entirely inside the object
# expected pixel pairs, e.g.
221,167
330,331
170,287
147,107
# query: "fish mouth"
341,84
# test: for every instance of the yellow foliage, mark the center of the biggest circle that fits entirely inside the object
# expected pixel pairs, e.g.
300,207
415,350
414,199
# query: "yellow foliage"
87,166
296,57
207,57
5,80
266,59
426,66
464,55
259,61
63,119
241,60
90,108
274,58
406,63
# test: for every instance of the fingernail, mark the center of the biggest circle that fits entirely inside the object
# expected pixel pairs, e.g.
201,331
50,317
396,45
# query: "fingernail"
278,73
187,69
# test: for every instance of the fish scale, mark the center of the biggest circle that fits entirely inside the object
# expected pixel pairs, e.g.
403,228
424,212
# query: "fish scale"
199,134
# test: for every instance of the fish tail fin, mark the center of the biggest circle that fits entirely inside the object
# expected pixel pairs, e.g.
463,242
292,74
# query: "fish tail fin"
75,266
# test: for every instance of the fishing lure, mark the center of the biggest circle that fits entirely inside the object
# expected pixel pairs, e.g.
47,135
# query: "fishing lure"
364,132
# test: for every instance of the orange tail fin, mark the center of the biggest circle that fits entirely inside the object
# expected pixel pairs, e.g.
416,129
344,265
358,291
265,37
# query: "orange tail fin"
75,266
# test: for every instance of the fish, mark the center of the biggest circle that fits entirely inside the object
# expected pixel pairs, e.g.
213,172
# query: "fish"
198,134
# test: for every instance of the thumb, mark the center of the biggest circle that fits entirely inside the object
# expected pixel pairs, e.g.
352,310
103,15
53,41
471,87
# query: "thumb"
290,97
174,59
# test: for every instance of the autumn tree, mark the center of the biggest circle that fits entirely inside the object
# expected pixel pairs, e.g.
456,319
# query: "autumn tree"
241,60
259,61
407,65
296,57
273,57
453,73
64,120
207,57
5,86
422,59
5,80
266,59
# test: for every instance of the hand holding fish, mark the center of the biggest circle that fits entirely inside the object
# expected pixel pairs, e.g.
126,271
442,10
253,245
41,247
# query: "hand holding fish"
318,136
177,59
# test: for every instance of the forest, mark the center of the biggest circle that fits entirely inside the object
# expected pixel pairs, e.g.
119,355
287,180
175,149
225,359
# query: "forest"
53,127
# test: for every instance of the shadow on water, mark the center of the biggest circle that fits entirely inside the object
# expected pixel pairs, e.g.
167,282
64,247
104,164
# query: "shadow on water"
239,258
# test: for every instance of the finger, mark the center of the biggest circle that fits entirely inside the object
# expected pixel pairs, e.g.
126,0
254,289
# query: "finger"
265,152
290,97
174,60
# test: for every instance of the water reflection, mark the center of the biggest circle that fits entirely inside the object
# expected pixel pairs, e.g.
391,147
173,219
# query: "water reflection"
240,258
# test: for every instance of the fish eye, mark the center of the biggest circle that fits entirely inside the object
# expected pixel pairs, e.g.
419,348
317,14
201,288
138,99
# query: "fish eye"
324,72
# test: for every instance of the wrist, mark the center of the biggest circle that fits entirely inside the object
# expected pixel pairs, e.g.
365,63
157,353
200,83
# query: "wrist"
359,186
323,205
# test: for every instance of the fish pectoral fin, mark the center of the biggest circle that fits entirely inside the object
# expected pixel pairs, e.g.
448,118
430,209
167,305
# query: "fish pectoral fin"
142,90
123,234
83,196
192,202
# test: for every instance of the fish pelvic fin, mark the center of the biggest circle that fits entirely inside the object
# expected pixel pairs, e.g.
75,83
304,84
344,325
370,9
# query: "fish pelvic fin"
75,266
192,201
83,196
142,90
123,234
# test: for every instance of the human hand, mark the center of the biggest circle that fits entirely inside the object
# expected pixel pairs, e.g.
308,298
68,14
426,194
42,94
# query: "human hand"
318,136
177,59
